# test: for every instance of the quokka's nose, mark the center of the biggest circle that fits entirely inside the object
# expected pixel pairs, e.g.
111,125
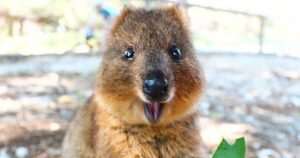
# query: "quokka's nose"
156,85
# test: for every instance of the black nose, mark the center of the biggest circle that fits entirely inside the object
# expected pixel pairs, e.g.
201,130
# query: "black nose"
156,85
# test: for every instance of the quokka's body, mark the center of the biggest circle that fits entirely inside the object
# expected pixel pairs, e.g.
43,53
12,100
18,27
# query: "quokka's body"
145,100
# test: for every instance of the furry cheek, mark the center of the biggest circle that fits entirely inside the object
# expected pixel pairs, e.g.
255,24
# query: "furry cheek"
127,107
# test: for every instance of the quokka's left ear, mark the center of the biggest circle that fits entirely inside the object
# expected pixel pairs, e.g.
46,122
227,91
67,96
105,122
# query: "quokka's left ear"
179,12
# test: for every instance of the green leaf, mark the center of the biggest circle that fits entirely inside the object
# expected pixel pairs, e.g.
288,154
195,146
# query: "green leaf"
237,150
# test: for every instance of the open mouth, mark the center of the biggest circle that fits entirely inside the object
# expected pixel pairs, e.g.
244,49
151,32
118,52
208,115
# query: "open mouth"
153,111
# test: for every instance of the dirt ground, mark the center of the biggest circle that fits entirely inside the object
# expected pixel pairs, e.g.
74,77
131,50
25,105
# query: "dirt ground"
256,96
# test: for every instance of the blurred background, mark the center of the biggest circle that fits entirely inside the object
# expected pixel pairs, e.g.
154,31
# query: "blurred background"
50,51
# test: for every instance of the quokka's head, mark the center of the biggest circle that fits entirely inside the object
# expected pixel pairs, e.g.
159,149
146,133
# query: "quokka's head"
149,73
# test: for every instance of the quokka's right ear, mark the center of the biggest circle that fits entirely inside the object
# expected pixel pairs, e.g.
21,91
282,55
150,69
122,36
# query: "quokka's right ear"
126,9
121,17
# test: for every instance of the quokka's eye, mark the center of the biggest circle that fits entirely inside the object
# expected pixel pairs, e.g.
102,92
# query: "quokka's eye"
129,54
175,52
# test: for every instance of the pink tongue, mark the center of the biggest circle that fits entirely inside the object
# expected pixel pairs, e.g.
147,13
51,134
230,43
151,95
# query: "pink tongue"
152,111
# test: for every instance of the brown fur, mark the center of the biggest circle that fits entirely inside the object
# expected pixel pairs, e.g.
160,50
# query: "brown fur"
113,123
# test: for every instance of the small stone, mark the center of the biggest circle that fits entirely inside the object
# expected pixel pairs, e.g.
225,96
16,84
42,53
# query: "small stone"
3,153
267,153
21,152
65,100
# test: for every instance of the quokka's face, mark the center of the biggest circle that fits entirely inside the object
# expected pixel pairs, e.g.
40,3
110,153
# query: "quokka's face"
149,72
